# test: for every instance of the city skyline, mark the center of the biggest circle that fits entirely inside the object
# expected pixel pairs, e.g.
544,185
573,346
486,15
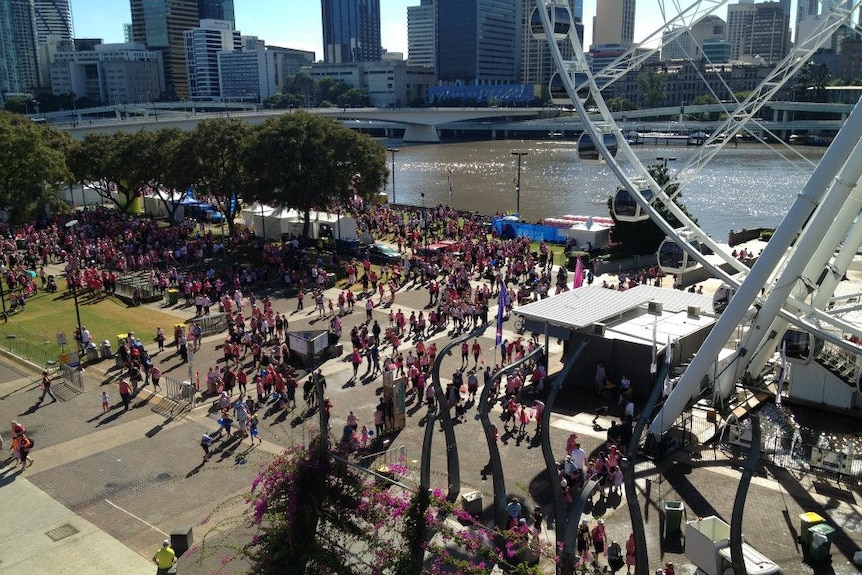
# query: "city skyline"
299,26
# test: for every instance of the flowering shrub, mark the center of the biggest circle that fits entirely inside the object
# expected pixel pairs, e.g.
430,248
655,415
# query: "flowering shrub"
310,516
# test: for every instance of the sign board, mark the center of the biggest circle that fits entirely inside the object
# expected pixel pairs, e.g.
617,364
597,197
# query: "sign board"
72,359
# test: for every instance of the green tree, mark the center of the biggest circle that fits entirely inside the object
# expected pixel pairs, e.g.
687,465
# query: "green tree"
644,237
307,162
163,158
302,87
354,98
618,104
215,162
32,166
328,90
652,85
114,165
702,100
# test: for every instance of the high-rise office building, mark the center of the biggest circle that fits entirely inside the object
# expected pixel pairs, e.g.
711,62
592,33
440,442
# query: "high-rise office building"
690,44
421,33
478,41
537,64
758,31
614,23
203,44
159,24
19,56
53,17
53,33
351,31
110,73
217,10
739,21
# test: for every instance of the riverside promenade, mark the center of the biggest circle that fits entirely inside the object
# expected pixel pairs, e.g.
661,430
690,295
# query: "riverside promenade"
105,490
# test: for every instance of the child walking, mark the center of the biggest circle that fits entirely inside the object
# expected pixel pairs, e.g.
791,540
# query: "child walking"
106,402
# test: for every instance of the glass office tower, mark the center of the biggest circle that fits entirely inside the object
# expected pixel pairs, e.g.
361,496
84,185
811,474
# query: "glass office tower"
351,31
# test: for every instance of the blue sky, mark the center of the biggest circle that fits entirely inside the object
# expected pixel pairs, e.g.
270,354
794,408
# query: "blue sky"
296,23
288,23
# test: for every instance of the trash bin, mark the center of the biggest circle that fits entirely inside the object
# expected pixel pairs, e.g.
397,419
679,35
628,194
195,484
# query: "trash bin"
92,353
673,511
806,522
173,296
106,350
471,502
821,542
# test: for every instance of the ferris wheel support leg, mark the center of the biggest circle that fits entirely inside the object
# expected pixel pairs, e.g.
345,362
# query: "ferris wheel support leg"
840,265
771,257
812,252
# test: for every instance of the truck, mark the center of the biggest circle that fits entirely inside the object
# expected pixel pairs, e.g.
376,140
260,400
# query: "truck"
707,546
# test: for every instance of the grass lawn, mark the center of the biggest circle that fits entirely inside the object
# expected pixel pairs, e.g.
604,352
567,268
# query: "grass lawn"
32,333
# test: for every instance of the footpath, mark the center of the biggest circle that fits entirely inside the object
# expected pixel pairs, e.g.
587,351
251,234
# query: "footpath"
106,489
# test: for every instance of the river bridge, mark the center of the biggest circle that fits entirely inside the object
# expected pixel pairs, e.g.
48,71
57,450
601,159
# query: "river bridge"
430,124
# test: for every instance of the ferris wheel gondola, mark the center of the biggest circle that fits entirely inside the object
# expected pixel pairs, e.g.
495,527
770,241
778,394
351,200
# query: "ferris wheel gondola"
672,257
625,206
589,152
560,17
801,345
557,88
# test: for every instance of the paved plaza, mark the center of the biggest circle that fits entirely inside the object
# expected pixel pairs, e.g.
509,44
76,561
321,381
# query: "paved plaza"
105,490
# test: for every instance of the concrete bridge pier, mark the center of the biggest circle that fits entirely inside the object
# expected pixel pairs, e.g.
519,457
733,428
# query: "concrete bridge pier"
421,133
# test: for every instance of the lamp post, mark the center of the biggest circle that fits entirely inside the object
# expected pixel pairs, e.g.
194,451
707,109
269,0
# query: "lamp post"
424,219
393,151
3,296
520,154
70,225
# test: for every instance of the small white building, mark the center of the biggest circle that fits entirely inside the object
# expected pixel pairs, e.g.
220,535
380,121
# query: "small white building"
623,327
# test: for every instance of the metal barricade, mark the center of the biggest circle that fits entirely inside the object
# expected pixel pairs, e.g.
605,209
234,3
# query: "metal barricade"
181,393
211,324
72,377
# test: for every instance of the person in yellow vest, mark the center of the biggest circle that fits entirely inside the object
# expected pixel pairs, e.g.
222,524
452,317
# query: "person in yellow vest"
165,558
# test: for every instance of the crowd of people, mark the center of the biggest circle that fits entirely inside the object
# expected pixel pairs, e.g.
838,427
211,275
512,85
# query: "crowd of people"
255,377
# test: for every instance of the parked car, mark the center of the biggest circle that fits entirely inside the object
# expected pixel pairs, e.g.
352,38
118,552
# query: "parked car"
382,254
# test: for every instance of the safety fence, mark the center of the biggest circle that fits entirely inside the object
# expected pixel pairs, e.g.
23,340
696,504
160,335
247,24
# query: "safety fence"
38,350
837,461
834,457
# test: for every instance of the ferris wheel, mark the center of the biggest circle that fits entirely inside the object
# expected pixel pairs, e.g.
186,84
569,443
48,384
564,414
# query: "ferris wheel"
793,283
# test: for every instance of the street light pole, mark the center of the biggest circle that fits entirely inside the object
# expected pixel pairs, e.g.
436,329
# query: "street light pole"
424,219
70,225
3,297
520,154
393,151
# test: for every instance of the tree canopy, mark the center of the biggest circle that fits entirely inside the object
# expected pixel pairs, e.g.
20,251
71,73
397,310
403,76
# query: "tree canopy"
32,166
299,160
307,162
214,163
